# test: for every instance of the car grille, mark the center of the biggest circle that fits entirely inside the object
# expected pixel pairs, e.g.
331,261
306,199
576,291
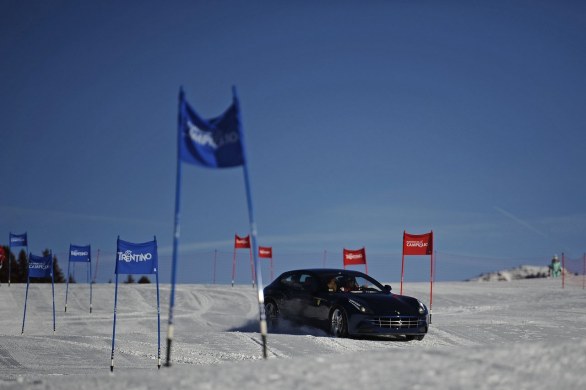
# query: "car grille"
395,322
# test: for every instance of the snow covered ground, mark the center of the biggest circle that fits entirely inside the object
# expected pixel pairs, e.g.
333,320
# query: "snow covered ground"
522,334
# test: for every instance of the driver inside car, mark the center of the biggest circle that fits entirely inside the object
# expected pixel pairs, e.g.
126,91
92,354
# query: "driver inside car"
332,285
350,285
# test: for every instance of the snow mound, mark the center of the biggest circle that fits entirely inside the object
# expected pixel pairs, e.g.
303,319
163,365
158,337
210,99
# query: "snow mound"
521,272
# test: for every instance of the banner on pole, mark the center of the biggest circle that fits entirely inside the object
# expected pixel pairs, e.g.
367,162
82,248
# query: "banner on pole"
18,240
241,242
354,257
134,258
265,252
212,143
40,266
417,244
81,254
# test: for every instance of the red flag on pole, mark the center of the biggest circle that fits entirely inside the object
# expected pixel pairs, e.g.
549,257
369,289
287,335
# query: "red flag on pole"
355,257
241,242
266,252
417,244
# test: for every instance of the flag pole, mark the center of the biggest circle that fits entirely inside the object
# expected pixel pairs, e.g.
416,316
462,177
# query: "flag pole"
158,315
114,323
253,232
234,260
25,301
68,276
53,287
10,250
176,232
89,265
97,262
9,265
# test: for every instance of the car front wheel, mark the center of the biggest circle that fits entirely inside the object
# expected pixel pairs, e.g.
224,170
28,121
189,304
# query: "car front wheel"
272,313
338,323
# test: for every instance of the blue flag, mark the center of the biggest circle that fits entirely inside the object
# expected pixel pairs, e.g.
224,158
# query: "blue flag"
18,240
80,254
212,143
40,266
134,258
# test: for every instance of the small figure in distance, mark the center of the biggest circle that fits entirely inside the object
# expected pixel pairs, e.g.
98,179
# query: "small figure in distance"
555,268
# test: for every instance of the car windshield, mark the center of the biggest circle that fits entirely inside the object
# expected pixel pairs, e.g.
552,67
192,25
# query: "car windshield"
350,282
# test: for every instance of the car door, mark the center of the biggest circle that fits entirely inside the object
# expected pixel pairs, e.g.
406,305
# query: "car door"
315,299
288,287
300,298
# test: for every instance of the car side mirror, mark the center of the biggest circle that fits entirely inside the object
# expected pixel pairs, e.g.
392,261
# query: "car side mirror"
388,288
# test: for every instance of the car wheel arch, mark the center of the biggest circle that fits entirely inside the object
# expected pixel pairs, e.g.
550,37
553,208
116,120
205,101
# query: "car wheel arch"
338,321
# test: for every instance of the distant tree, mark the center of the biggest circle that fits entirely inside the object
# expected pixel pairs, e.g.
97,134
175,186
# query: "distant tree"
58,277
144,280
4,265
72,279
18,267
129,279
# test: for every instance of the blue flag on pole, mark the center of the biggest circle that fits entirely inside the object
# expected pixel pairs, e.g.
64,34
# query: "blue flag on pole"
134,258
212,143
81,254
18,240
40,266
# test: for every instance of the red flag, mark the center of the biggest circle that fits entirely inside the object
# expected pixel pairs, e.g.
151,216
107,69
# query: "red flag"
241,242
354,257
266,252
417,244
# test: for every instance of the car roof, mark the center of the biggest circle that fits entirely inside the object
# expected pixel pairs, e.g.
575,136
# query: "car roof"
322,271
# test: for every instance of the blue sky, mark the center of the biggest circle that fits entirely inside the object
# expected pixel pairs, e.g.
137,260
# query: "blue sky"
362,119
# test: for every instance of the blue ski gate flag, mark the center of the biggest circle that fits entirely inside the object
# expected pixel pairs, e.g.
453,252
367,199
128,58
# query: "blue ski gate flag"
18,240
134,258
79,254
15,240
39,267
213,143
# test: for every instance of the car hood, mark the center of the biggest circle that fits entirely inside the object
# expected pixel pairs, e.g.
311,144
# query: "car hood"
388,304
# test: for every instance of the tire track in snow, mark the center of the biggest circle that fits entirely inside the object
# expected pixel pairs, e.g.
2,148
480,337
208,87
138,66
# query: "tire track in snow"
6,359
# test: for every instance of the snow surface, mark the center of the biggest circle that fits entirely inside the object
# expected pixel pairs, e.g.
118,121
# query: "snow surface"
523,334
520,272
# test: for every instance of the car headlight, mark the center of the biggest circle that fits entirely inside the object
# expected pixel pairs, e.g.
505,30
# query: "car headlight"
361,308
422,308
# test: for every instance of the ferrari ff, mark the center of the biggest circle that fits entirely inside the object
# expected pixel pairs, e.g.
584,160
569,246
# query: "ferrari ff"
345,303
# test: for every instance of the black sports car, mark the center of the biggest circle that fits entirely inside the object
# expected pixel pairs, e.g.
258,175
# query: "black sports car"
347,303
